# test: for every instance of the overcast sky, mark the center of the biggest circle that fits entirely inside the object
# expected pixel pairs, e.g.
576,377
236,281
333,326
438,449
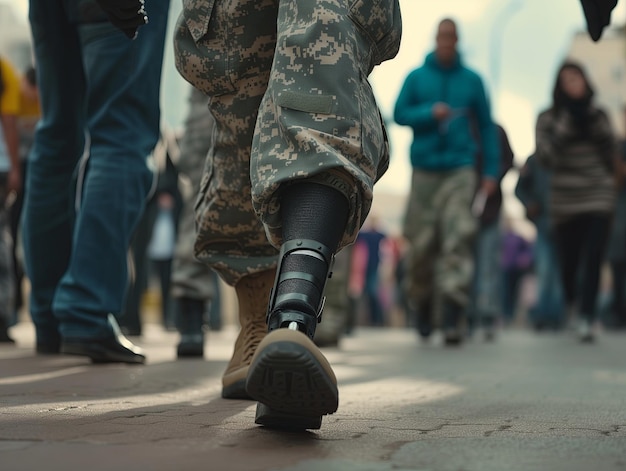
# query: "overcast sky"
516,45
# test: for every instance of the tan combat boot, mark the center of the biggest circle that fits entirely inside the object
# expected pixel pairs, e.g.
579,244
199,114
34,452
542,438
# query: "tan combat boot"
253,293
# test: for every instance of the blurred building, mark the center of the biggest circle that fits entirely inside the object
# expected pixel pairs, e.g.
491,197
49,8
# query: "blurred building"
14,37
389,208
605,62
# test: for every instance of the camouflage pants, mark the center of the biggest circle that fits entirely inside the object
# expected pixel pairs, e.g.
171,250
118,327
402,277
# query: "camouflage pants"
289,93
191,278
440,228
337,305
7,281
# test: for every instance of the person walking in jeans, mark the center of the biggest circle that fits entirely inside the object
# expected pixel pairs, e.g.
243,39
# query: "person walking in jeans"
533,191
100,99
486,294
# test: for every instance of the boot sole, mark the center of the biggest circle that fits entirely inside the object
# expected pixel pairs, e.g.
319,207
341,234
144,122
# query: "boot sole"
234,384
237,390
273,419
293,382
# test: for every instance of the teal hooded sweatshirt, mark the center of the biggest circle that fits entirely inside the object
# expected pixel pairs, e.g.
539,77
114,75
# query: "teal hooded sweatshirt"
451,144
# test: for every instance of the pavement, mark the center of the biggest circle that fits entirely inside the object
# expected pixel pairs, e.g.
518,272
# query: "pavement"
524,402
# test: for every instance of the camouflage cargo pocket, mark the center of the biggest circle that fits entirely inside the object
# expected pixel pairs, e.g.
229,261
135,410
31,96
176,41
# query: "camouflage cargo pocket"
380,21
200,48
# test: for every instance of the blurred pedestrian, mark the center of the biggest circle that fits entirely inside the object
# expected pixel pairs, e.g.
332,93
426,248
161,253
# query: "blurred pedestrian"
100,98
372,237
439,101
338,305
616,253
288,183
27,119
193,283
486,296
153,239
516,261
575,140
356,283
10,185
533,191
160,249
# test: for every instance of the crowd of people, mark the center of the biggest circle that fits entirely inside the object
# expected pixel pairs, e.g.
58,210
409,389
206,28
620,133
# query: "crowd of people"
270,186
466,261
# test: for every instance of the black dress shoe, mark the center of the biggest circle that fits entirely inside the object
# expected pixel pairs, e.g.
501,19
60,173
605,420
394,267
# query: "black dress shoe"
114,348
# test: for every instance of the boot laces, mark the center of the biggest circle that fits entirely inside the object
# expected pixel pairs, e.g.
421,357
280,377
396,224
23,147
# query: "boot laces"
254,331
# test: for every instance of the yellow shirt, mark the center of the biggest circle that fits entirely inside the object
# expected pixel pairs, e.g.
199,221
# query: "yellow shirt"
29,108
10,99
30,112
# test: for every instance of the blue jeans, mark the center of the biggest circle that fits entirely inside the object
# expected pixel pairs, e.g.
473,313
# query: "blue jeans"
100,96
486,301
550,307
377,316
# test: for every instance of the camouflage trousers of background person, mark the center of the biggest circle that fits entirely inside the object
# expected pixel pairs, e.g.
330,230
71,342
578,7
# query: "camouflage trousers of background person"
440,229
7,275
337,306
289,92
190,278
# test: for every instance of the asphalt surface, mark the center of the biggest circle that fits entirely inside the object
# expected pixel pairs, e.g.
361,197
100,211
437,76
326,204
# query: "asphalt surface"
524,402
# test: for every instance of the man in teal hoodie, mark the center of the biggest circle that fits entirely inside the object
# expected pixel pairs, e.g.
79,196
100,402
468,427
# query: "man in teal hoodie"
441,101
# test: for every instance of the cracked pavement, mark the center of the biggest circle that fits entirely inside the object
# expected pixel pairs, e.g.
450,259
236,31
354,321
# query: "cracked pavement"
525,402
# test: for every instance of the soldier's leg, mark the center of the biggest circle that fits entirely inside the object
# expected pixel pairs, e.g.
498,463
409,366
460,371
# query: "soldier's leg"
455,267
317,151
227,51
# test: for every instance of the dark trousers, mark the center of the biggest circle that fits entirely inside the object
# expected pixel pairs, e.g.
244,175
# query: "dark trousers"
511,280
619,293
163,269
15,216
581,243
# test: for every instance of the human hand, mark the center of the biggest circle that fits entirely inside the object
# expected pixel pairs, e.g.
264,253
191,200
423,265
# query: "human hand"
126,15
488,186
165,201
440,111
14,183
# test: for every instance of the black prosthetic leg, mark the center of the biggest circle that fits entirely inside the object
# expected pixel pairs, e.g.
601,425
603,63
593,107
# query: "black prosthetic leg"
314,220
290,378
